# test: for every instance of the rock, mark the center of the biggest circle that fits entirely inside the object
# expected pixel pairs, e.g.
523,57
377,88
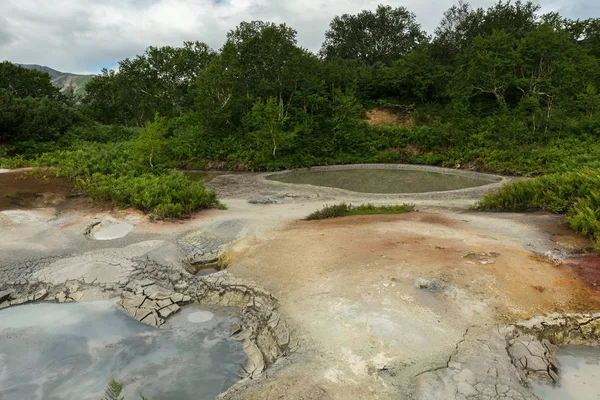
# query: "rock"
181,286
169,310
151,304
206,271
72,286
265,200
164,303
39,295
144,282
19,301
152,319
156,292
132,302
236,328
77,296
6,295
429,284
61,297
176,297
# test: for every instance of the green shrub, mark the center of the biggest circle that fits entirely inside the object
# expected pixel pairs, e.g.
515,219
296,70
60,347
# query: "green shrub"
575,193
344,210
170,195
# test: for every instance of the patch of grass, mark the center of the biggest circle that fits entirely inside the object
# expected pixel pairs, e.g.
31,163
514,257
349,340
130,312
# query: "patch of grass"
345,210
576,194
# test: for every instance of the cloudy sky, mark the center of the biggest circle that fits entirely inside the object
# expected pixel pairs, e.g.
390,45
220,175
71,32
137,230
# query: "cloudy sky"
87,35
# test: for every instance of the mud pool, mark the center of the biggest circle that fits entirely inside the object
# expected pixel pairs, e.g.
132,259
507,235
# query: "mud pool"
366,180
70,351
579,375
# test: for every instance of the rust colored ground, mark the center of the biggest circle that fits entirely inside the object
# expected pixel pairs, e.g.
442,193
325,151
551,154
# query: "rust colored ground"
26,190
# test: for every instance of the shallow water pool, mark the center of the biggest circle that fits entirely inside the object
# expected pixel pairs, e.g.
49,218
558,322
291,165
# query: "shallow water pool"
71,351
579,368
367,180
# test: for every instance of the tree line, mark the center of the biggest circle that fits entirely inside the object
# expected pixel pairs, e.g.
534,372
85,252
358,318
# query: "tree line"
487,79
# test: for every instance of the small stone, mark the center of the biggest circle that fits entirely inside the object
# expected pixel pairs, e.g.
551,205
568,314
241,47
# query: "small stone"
168,311
77,296
124,282
61,297
72,287
6,295
164,303
236,328
145,282
133,302
18,302
150,304
151,319
40,294
181,286
139,313
176,297
429,284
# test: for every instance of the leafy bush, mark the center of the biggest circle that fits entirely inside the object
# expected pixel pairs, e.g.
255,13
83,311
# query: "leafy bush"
344,210
112,172
575,193
170,195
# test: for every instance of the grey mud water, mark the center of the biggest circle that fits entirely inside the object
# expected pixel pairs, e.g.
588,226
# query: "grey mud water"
71,351
580,374
369,180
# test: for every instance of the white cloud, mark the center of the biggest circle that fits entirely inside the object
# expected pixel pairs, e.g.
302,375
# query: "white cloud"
86,35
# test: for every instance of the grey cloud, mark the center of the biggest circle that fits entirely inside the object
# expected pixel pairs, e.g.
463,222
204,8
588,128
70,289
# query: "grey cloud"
86,35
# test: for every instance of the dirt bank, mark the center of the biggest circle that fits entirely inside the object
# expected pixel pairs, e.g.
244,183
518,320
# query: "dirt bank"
25,190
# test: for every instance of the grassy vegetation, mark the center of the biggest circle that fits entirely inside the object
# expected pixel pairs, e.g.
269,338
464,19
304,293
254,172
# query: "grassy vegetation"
577,194
170,195
345,210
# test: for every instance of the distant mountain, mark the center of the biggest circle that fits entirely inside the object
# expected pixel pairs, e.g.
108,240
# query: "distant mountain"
63,80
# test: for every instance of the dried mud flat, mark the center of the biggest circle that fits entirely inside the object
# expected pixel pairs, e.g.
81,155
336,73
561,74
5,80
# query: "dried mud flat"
416,306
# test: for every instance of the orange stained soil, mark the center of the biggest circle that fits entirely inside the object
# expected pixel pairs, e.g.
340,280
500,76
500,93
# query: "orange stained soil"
371,249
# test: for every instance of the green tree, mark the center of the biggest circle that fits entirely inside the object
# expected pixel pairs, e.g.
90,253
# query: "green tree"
551,69
589,101
159,81
380,36
22,82
258,61
151,142
418,75
462,24
267,122
487,68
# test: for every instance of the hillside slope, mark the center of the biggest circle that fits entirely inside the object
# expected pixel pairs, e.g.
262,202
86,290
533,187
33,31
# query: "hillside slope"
63,80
